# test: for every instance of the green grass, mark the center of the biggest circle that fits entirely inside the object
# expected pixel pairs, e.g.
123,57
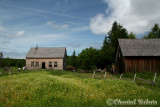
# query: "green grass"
149,76
64,88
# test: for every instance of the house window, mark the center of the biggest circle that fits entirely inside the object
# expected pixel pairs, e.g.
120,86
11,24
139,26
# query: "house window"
37,64
32,63
55,64
50,64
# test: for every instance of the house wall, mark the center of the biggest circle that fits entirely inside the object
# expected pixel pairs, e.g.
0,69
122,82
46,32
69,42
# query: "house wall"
140,64
59,63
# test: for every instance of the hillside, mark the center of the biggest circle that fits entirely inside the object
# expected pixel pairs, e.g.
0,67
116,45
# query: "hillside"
62,88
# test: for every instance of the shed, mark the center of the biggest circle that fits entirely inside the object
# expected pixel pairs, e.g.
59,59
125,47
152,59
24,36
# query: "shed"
138,55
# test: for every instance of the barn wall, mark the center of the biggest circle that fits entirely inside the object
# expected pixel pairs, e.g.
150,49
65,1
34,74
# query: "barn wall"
120,68
59,61
140,64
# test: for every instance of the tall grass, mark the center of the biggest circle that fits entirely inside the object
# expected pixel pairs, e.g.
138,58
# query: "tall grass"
62,88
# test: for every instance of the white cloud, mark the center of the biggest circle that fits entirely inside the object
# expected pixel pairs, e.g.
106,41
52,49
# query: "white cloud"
136,16
20,33
65,26
55,36
12,34
82,28
2,28
49,23
57,26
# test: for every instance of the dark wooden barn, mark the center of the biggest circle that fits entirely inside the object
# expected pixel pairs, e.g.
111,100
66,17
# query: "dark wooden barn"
138,55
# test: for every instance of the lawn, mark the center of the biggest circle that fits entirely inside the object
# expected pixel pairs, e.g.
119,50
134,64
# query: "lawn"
65,88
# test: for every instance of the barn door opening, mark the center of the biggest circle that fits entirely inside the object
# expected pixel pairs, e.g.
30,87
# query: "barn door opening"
43,65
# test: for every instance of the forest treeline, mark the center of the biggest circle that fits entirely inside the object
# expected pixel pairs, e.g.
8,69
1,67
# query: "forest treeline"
91,58
8,62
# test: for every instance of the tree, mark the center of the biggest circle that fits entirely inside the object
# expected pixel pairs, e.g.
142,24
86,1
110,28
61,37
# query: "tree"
132,36
1,57
106,55
88,58
68,60
149,36
117,31
154,33
73,59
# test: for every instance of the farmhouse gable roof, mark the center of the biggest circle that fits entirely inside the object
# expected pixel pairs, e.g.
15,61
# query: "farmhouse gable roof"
46,52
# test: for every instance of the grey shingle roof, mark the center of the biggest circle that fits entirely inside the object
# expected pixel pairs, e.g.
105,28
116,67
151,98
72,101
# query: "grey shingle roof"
140,47
43,52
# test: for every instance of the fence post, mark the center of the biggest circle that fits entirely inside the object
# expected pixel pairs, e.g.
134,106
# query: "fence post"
93,74
134,78
120,76
105,75
9,72
154,78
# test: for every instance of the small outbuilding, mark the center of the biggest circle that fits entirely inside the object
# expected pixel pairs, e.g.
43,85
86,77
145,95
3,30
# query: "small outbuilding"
47,58
138,55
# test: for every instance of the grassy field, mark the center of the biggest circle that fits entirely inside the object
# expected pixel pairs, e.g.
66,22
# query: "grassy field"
64,88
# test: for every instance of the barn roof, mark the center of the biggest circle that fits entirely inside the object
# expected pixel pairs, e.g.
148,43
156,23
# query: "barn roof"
140,47
45,52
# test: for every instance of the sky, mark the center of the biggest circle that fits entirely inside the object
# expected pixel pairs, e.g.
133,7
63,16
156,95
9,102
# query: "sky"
74,24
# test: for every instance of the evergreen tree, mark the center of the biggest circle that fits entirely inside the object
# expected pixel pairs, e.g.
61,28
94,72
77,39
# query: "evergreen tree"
154,33
1,57
116,32
73,59
132,36
106,55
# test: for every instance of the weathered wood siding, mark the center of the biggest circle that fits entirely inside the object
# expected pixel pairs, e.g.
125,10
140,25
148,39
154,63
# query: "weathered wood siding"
120,64
142,63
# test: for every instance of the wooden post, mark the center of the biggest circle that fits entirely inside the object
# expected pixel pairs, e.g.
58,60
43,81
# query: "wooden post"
120,76
9,72
154,78
134,78
105,75
93,74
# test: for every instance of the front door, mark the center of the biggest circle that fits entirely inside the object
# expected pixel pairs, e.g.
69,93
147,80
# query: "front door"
43,65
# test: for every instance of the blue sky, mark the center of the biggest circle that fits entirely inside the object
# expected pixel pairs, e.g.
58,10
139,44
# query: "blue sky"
75,24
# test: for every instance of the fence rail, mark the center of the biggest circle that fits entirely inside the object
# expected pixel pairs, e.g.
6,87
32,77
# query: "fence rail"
153,82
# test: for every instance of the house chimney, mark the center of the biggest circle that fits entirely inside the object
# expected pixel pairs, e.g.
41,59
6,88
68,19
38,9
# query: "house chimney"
37,47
